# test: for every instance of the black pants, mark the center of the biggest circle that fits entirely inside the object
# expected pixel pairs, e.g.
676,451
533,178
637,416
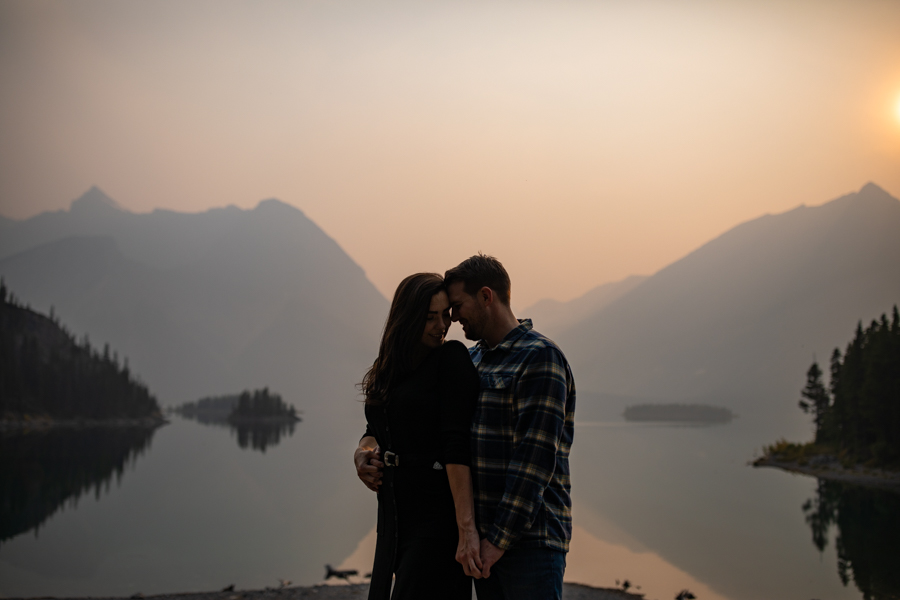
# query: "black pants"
426,569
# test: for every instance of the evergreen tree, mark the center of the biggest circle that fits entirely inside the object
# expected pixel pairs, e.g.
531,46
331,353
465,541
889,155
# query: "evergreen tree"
816,400
45,372
862,416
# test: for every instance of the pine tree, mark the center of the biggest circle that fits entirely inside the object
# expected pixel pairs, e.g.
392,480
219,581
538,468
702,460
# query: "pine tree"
816,400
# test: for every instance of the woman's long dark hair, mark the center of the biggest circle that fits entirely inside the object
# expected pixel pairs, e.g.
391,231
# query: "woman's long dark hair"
402,335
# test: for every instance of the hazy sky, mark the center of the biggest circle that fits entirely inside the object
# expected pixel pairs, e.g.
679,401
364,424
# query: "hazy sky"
577,141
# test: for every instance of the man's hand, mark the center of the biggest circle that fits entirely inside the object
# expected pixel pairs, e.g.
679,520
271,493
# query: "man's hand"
468,552
368,466
490,554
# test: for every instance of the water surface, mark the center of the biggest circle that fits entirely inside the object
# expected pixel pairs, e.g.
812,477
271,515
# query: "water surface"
193,509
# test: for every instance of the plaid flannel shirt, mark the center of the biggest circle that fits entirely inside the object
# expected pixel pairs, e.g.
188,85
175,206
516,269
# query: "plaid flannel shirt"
521,436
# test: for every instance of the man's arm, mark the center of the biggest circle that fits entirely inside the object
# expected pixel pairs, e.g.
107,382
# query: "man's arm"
540,400
367,459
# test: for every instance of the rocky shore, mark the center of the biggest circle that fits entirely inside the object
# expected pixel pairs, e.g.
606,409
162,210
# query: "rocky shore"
828,467
571,591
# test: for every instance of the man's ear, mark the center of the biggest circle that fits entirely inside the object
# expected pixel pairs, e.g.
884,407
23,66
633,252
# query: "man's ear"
486,295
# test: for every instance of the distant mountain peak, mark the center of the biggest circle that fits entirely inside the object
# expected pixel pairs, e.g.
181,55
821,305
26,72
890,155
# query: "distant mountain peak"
870,190
95,199
274,204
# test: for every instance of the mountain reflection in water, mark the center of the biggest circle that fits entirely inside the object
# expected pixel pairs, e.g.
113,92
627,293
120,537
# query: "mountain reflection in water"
868,527
42,470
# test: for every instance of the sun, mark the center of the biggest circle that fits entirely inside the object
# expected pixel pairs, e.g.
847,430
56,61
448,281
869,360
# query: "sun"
897,109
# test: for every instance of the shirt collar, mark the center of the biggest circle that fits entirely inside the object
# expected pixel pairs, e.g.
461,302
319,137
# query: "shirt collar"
511,337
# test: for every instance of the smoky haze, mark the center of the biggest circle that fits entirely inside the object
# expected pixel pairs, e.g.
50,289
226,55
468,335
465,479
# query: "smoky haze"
417,134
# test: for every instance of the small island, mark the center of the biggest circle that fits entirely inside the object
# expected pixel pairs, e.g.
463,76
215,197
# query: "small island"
259,418
246,407
678,413
856,418
262,406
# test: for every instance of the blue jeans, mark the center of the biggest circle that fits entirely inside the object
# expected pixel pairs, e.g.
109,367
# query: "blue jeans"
525,574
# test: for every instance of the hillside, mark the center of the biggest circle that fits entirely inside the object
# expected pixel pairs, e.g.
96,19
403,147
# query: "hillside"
224,299
552,317
46,374
736,322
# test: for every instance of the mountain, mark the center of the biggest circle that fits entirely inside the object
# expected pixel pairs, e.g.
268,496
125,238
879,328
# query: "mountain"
552,317
738,321
205,303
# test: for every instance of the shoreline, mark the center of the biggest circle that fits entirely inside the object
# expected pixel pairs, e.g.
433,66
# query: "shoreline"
827,467
355,591
46,423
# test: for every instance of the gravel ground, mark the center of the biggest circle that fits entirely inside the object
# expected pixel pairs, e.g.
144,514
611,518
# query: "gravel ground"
571,591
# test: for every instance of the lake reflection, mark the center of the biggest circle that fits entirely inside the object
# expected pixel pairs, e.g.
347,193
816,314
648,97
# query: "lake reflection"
868,529
40,471
258,434
664,507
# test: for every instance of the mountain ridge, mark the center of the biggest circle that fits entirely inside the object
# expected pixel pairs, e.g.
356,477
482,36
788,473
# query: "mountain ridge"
223,299
782,286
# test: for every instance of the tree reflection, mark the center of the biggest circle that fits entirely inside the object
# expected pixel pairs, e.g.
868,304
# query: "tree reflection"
867,522
252,434
261,434
40,471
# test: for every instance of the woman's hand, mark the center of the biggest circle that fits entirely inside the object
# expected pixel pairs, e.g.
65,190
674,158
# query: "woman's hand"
468,552
367,459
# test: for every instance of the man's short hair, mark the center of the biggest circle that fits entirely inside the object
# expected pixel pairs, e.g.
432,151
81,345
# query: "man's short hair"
480,271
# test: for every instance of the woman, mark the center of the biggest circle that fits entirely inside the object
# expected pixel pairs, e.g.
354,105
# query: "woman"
420,394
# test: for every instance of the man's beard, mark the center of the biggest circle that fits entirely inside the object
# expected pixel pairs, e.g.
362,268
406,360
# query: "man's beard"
475,327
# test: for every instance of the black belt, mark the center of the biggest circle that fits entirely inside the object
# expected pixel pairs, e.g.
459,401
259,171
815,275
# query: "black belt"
412,459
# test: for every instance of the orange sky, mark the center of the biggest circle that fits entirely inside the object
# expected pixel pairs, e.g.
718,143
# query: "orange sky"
579,142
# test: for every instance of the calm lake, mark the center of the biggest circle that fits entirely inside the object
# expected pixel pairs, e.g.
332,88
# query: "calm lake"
196,507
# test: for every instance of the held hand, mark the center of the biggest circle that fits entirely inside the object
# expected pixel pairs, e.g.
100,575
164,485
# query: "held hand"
468,552
368,466
490,554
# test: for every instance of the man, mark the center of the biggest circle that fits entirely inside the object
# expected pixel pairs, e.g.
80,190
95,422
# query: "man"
521,436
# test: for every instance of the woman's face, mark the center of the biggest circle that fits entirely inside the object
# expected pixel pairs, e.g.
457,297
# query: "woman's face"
437,322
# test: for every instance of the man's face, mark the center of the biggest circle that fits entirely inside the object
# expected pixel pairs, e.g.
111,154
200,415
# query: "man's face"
468,311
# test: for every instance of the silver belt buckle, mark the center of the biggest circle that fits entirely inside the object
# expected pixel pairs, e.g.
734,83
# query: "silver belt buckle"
391,459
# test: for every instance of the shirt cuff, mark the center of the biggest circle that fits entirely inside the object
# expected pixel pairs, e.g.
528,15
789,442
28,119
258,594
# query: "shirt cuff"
501,537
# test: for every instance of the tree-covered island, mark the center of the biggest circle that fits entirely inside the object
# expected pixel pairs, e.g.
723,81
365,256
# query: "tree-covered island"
856,416
260,418
47,377
258,405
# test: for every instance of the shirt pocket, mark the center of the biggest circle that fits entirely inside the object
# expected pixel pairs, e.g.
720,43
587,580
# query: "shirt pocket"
501,383
496,396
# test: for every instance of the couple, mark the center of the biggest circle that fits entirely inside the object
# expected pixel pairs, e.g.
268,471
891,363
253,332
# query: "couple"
467,449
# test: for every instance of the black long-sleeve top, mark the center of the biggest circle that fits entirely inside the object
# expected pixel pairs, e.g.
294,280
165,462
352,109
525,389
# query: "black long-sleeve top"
428,414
